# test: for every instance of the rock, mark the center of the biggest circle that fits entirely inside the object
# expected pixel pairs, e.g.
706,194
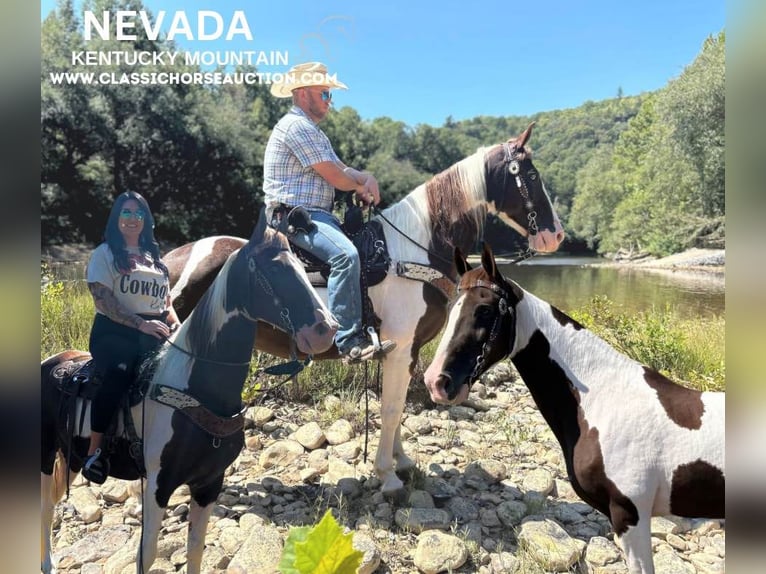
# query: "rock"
260,552
511,512
419,519
418,424
668,562
487,470
115,491
259,415
550,545
310,436
371,559
439,552
253,443
281,453
602,552
94,547
86,504
339,432
538,480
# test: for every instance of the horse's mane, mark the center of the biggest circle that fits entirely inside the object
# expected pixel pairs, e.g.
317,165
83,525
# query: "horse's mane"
201,327
454,197
452,201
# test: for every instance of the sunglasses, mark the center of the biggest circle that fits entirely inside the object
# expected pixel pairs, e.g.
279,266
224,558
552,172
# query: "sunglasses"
138,214
326,95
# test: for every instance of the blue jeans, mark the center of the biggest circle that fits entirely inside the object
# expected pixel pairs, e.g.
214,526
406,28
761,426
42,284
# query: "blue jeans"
328,243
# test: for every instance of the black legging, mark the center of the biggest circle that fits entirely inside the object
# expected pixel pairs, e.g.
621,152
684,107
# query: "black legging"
117,351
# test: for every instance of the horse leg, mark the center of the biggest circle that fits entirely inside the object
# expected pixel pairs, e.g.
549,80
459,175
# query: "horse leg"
636,543
47,505
152,514
200,509
52,488
403,462
395,380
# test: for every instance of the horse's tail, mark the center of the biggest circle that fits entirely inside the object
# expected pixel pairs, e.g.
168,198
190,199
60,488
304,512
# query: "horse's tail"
60,477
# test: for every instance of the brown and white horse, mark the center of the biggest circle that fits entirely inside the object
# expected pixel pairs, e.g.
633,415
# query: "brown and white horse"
422,228
192,427
636,445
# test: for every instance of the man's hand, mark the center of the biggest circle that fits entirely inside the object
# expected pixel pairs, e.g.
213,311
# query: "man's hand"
368,193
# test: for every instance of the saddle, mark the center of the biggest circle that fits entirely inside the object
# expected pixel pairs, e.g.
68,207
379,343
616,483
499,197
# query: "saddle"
367,237
80,378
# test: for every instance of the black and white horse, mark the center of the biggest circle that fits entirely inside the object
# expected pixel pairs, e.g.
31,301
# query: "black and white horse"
636,444
193,425
420,231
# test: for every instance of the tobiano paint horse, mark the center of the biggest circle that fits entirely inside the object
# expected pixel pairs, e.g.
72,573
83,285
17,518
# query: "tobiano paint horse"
420,232
635,444
193,419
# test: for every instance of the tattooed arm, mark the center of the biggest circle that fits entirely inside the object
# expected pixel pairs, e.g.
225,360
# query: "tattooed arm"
107,304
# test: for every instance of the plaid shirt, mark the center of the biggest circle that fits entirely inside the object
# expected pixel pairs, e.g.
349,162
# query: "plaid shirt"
295,144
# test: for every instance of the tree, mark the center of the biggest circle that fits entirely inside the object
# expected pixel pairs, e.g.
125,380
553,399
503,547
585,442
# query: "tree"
694,106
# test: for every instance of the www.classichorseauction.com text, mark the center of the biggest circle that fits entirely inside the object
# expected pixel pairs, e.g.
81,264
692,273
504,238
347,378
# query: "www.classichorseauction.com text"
203,25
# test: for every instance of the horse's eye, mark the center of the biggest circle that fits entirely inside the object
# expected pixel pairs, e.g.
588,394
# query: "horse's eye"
532,175
483,312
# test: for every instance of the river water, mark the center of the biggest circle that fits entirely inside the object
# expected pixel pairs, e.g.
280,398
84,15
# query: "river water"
570,282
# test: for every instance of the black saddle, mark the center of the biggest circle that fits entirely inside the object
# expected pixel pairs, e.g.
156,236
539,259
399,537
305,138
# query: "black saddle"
79,378
367,237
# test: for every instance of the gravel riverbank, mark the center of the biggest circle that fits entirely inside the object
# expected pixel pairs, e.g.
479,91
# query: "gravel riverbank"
490,496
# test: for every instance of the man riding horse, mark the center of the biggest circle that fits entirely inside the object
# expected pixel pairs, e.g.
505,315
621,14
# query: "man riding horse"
302,169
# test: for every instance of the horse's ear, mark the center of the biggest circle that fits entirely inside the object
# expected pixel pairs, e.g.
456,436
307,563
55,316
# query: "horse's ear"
260,228
488,260
461,263
520,141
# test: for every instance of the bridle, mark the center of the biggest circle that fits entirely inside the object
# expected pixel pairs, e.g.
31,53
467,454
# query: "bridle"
258,279
502,309
512,158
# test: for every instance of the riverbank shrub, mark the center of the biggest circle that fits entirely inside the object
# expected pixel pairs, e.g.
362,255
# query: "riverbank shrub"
691,351
688,350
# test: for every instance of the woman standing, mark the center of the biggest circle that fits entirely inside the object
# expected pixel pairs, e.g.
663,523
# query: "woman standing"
134,313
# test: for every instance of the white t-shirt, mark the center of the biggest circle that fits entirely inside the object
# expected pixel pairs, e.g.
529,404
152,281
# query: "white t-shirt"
142,290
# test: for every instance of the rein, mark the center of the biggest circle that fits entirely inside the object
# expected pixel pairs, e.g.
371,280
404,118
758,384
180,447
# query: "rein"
379,213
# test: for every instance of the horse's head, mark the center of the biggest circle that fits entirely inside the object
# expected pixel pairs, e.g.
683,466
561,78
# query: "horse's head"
480,330
281,293
516,193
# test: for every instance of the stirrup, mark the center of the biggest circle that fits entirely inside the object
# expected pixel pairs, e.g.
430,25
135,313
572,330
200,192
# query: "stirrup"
96,469
359,353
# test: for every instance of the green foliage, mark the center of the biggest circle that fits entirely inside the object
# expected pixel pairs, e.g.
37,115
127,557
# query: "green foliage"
66,314
322,549
688,351
660,188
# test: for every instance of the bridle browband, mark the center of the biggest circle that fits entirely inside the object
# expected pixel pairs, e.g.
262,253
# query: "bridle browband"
503,308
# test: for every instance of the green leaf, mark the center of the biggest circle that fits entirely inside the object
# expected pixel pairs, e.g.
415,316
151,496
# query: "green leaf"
326,550
287,563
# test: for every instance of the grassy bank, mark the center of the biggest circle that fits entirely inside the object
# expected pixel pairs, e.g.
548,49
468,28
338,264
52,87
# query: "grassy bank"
690,351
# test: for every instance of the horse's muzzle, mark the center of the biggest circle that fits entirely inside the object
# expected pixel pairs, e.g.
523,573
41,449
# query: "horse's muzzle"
319,337
445,391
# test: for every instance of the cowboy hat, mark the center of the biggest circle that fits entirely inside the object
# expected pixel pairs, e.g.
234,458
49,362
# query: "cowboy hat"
304,75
